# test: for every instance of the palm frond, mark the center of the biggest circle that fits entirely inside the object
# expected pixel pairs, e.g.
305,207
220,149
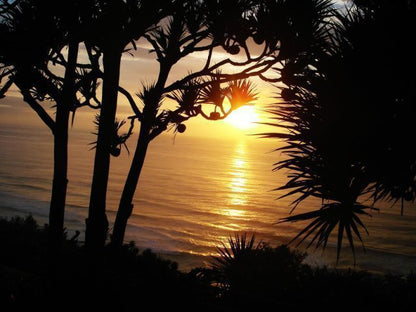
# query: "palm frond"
187,96
212,92
240,247
324,221
241,92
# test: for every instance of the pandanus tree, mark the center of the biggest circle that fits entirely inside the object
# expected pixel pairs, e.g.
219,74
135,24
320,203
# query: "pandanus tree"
390,155
183,33
346,114
212,26
116,23
39,54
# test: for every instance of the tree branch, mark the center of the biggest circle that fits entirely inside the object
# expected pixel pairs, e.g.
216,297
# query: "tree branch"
28,98
155,46
211,49
194,40
246,73
272,80
133,104
6,87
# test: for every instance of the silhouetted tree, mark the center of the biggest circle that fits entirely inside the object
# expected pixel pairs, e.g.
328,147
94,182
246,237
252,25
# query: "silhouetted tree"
197,26
116,23
390,156
34,35
185,32
346,113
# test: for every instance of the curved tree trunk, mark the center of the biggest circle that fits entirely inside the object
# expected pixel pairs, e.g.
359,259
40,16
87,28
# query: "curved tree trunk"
96,223
59,184
126,202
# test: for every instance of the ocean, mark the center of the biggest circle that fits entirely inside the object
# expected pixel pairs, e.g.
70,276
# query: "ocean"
195,193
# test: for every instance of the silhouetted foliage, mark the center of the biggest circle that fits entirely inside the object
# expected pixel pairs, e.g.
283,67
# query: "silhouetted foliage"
123,280
191,27
35,37
256,276
118,140
114,24
226,25
389,156
247,268
346,114
174,29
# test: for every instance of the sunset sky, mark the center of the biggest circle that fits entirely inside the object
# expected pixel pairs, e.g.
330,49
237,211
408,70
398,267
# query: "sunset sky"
141,67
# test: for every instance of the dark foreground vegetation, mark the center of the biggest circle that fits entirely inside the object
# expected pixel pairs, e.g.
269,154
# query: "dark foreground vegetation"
245,276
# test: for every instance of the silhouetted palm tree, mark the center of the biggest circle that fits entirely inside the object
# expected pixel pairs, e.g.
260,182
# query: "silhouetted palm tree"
347,113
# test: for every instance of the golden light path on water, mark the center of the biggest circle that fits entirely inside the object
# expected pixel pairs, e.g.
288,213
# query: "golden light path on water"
237,186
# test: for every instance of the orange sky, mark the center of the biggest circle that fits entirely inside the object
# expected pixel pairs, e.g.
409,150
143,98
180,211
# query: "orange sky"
140,67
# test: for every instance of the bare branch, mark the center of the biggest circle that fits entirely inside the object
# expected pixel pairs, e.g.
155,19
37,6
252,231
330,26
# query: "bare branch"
79,65
195,37
88,103
5,72
6,87
246,73
155,46
28,98
133,104
191,47
272,80
194,40
51,75
211,50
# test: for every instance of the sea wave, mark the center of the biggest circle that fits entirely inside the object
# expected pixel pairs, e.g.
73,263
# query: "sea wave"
191,197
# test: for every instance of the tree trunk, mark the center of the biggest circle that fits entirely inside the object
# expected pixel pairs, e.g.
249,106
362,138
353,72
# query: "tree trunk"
59,184
96,223
148,119
126,202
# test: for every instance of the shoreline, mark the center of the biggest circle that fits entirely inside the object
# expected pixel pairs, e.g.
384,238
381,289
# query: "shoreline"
397,264
374,260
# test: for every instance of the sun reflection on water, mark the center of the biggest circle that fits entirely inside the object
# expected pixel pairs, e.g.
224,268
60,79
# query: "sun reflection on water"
237,186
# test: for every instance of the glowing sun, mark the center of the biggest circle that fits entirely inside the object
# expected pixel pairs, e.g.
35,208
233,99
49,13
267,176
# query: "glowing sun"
244,117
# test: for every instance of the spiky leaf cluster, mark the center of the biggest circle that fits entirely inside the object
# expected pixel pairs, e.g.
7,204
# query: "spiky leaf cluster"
346,115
